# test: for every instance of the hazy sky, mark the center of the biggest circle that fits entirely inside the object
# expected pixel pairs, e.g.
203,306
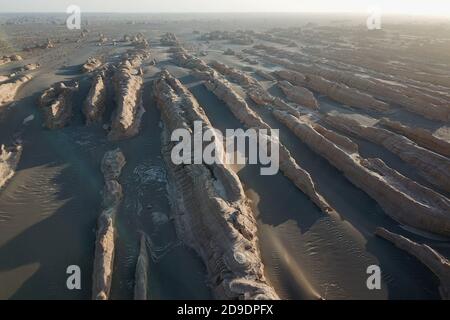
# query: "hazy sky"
434,7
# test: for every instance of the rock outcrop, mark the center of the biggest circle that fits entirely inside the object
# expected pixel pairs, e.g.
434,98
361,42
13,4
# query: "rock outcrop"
94,105
111,166
401,198
8,59
9,88
434,261
212,213
237,105
91,64
420,136
127,116
56,105
9,158
299,95
141,273
334,90
431,166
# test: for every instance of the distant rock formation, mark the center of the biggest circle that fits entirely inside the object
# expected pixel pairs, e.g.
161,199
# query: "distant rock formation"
300,177
401,198
141,273
299,95
127,116
9,88
111,166
94,105
265,75
56,105
420,136
431,166
212,212
91,64
438,264
9,158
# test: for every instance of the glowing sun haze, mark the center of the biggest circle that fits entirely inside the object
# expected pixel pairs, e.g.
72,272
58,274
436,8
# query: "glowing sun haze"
421,7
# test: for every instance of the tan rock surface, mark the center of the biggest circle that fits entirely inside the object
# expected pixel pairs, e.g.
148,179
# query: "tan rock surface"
129,110
9,158
10,87
420,136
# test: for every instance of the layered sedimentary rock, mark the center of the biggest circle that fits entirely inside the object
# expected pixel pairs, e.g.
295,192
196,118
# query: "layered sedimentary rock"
420,136
8,59
431,166
30,67
212,213
438,264
10,87
299,95
141,273
111,166
129,109
56,105
293,77
301,178
265,75
9,158
91,64
94,105
235,75
334,90
401,198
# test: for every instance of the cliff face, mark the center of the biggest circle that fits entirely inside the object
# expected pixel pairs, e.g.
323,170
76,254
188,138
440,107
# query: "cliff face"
301,178
212,212
334,90
129,110
420,136
299,95
141,272
91,65
432,166
56,105
401,198
94,105
111,166
10,87
9,158
438,264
